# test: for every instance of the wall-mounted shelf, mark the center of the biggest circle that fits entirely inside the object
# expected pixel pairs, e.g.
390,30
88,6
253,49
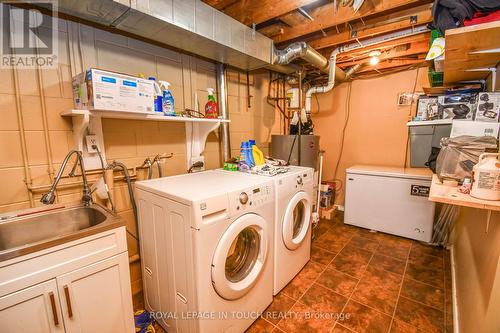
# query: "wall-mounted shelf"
430,122
450,195
471,52
89,121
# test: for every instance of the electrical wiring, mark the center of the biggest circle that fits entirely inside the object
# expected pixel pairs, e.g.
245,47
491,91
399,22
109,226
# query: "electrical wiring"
348,102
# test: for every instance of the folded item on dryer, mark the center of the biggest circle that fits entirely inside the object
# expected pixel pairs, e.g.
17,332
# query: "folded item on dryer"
268,170
275,161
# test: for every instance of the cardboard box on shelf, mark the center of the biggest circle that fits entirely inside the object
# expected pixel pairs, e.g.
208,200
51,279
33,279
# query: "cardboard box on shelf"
427,108
457,106
488,107
97,89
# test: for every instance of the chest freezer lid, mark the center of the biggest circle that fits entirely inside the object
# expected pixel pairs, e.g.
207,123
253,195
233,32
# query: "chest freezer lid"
375,170
194,187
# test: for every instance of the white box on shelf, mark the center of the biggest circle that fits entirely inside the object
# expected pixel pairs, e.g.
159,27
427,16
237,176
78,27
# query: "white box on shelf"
474,128
457,106
488,107
97,89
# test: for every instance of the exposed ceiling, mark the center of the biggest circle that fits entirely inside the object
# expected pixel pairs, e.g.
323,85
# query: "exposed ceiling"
326,24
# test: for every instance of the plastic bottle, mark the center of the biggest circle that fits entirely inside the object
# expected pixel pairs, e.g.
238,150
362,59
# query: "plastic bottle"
211,108
168,99
257,154
158,95
246,154
249,153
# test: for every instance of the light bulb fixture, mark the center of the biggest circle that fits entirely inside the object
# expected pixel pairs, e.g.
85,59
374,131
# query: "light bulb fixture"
374,60
374,57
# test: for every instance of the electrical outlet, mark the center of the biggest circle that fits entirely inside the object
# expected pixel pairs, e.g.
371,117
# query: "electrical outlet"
92,141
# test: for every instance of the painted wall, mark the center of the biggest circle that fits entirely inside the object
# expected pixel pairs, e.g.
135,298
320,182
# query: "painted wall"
477,265
376,133
477,271
31,102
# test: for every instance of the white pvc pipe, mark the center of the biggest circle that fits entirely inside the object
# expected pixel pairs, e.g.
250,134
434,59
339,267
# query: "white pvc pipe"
320,175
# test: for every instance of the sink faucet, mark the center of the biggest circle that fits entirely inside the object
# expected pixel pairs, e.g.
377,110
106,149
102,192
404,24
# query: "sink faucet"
49,197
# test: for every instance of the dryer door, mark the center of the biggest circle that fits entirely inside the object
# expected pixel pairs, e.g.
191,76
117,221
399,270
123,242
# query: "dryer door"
296,220
240,256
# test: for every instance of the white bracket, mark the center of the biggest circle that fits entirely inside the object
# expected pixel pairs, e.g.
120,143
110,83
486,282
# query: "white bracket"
84,123
196,138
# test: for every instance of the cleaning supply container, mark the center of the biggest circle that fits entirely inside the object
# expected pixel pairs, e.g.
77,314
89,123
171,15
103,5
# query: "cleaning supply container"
158,95
168,99
211,108
486,183
257,154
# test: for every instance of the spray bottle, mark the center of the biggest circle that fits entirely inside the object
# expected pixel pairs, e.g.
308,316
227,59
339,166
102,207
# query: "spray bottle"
211,108
158,95
168,99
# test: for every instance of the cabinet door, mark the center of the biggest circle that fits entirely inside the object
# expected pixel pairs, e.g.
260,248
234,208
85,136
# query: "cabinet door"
34,309
97,298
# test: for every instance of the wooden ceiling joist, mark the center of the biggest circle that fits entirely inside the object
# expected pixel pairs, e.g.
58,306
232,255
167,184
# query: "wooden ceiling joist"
389,44
251,11
220,4
325,17
390,64
412,49
423,17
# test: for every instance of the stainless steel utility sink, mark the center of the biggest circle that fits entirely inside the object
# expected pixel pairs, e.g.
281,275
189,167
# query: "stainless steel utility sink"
32,231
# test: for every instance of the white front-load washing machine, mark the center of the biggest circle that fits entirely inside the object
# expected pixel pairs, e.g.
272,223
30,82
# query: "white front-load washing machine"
292,222
206,250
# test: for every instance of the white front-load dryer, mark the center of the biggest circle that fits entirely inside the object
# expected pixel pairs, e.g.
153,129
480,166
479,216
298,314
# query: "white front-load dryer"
292,222
206,250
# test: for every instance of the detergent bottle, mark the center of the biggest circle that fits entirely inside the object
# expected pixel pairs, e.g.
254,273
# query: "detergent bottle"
257,154
486,183
158,96
245,154
168,99
211,108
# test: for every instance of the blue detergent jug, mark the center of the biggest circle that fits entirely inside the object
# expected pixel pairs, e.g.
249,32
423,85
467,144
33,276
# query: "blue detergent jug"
246,154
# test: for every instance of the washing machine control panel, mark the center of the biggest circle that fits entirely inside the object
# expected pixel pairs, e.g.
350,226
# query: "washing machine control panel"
253,197
243,198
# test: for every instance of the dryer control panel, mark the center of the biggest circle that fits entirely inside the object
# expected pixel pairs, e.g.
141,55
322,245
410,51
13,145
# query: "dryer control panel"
251,198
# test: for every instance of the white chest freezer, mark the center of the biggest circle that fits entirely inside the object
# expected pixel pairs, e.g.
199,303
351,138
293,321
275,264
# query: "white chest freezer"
391,200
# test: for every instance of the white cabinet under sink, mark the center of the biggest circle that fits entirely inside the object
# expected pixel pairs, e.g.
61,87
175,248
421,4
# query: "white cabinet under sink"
80,286
34,309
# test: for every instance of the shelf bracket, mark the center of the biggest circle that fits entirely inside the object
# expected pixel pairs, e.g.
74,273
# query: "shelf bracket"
83,124
196,138
488,218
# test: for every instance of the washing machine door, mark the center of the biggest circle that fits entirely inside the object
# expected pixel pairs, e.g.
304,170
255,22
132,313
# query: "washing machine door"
240,256
296,220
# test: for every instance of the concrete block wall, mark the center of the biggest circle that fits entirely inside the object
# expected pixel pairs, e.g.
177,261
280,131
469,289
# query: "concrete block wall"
34,138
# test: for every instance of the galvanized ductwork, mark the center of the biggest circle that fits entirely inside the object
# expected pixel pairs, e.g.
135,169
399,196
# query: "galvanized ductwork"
188,25
301,50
